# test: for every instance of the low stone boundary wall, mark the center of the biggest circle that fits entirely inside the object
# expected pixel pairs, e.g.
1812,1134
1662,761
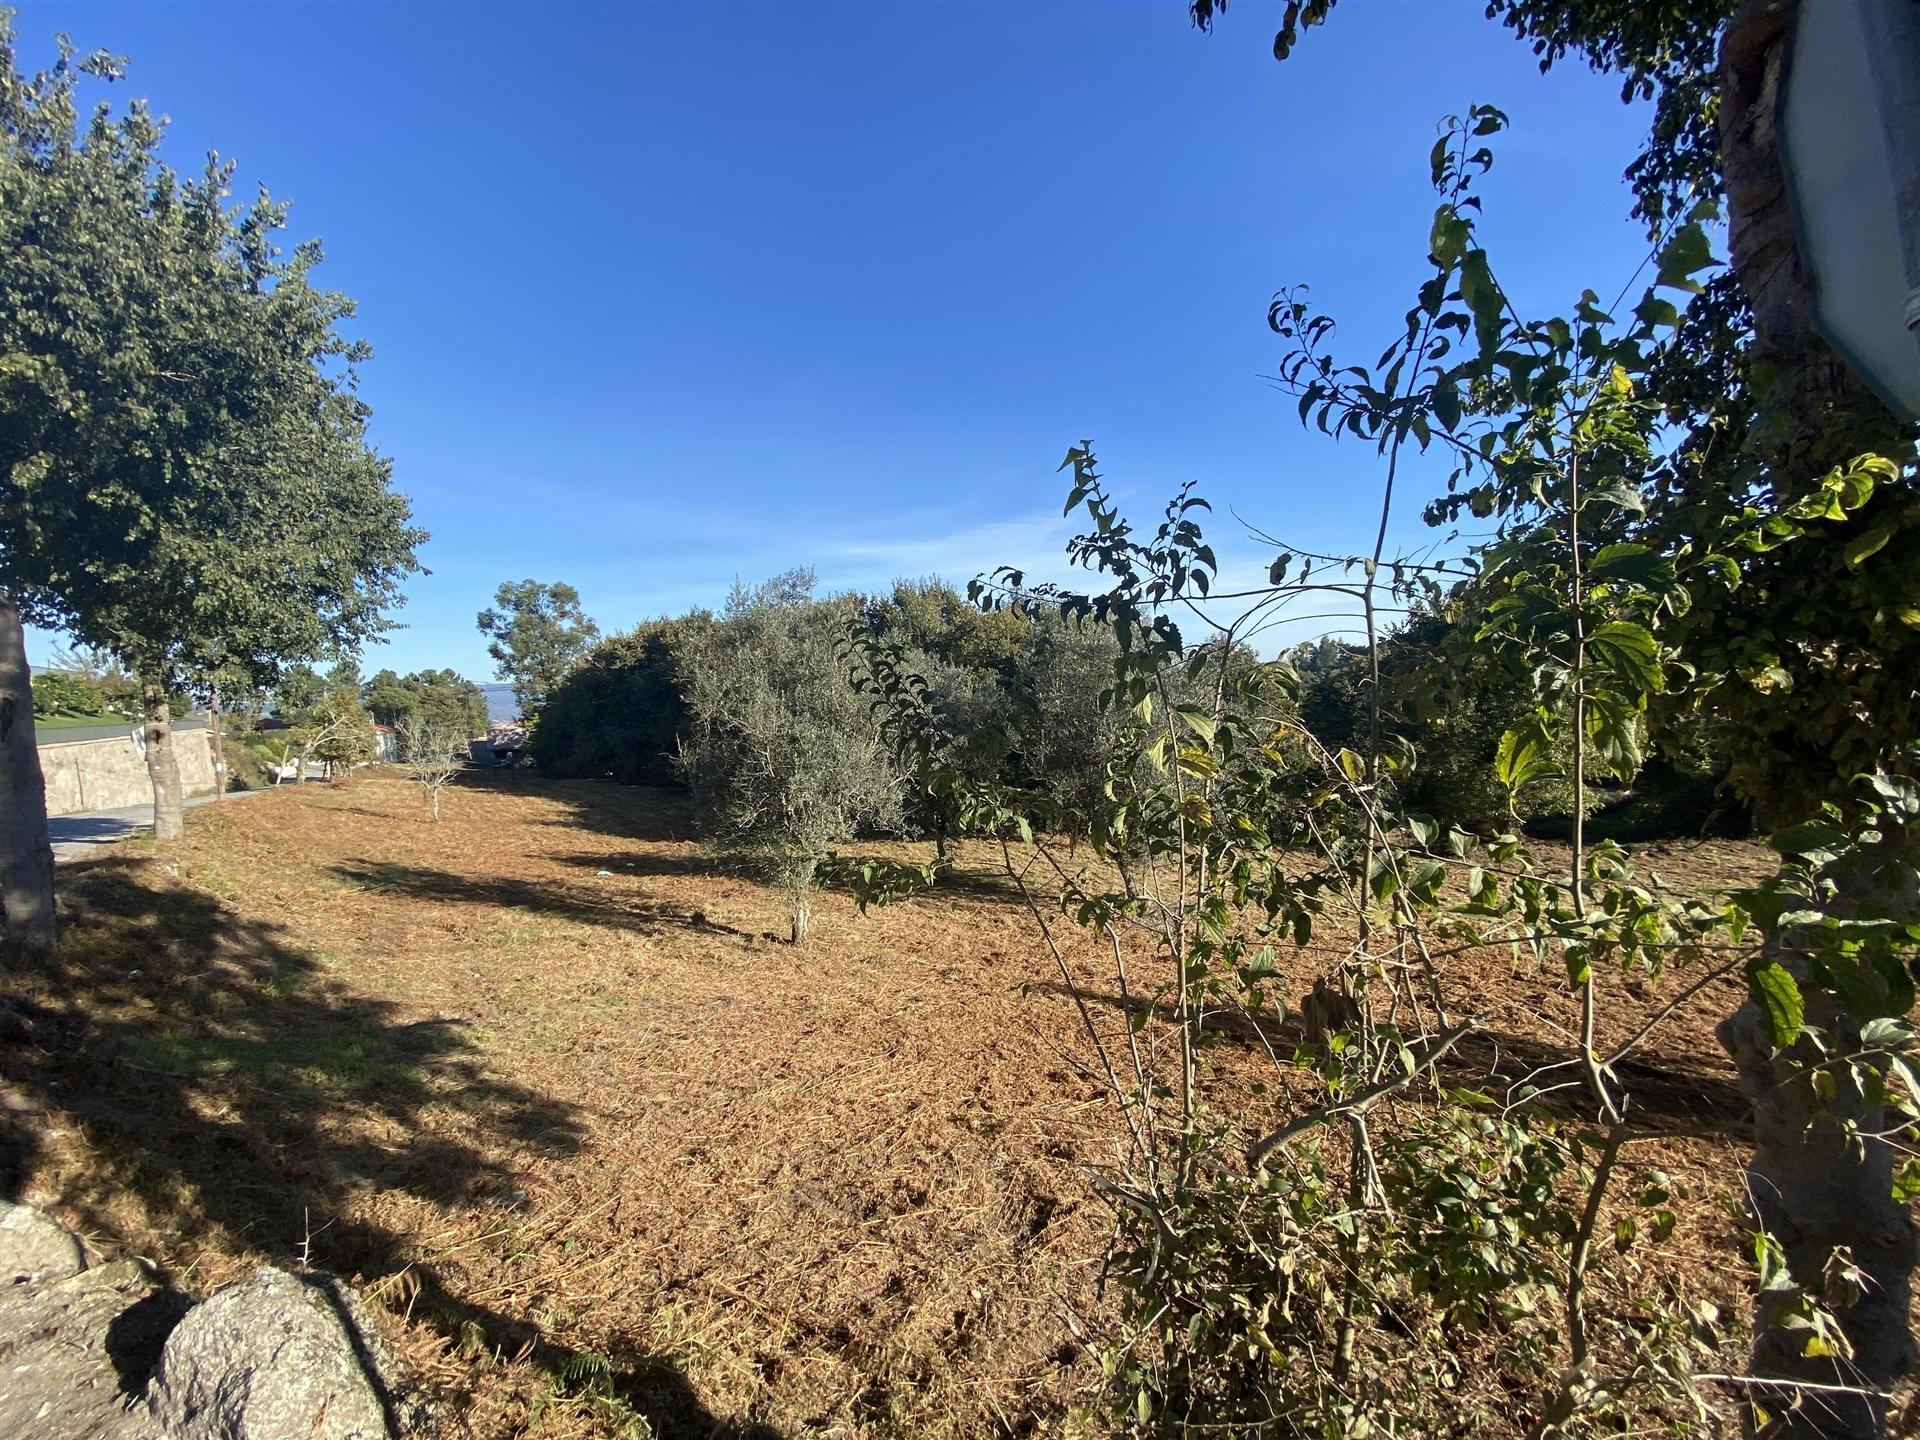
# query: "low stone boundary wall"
110,774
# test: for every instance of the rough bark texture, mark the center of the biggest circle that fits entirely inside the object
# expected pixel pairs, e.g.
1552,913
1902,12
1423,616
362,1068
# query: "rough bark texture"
1825,1200
1828,1202
1759,222
163,767
26,856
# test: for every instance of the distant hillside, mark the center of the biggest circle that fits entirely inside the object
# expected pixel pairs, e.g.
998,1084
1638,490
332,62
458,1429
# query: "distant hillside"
501,705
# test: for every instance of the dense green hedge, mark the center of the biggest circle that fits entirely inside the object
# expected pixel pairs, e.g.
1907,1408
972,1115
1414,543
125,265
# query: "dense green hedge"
1023,695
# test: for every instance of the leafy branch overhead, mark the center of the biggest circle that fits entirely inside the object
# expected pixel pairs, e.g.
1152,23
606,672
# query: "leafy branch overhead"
185,475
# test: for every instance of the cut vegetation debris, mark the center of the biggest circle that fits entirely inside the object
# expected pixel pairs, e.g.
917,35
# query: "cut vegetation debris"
616,1160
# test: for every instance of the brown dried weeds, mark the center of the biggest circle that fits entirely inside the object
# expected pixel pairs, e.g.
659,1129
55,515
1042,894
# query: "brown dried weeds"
614,1157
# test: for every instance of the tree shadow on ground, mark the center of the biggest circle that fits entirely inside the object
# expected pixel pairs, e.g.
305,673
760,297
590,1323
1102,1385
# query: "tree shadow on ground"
568,902
639,864
990,886
625,812
1662,1094
230,1089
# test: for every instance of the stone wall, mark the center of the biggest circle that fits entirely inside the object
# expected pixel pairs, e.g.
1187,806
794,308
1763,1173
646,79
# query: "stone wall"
110,774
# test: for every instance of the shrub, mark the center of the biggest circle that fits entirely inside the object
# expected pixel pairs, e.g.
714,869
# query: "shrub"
620,714
55,692
248,753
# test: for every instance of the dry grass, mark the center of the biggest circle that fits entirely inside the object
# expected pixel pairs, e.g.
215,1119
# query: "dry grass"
617,1160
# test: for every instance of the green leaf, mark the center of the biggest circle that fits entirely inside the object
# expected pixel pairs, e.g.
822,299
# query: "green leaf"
1863,548
1448,239
1484,298
1620,494
1198,721
1688,252
1196,762
1522,755
1862,989
1628,651
1906,1180
1613,725
1778,996
1657,313
1630,565
1809,837
1158,749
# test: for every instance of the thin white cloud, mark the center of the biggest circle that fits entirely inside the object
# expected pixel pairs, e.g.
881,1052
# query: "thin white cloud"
1034,543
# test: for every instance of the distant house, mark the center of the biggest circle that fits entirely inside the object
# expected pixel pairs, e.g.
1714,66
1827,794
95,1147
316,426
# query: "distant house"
387,741
501,745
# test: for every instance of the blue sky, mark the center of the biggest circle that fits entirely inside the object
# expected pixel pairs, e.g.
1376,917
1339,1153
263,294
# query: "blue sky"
665,295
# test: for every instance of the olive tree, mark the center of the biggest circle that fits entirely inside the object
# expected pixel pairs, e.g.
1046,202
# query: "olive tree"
779,750
341,735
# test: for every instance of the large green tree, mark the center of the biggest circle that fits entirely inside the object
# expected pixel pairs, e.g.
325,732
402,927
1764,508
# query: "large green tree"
538,633
443,701
185,475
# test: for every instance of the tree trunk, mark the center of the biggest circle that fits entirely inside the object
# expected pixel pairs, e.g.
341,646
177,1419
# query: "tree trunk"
163,766
1827,1200
800,891
219,750
1818,1195
26,856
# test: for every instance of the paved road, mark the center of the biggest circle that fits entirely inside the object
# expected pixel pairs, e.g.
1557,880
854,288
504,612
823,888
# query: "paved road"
77,836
